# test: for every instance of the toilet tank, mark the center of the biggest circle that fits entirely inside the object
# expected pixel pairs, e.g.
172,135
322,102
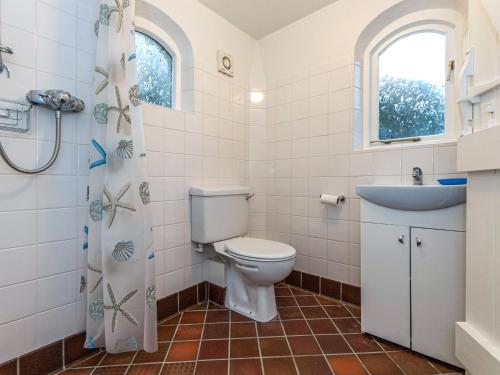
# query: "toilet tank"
218,212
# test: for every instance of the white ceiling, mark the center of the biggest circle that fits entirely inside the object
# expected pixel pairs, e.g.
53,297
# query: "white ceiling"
261,17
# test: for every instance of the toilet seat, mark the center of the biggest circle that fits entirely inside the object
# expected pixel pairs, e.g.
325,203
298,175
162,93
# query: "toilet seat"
256,249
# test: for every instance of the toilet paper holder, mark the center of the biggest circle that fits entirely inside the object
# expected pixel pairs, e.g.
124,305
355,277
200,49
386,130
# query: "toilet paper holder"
331,199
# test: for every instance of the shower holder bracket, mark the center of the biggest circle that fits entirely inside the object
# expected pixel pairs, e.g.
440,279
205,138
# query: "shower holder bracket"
15,116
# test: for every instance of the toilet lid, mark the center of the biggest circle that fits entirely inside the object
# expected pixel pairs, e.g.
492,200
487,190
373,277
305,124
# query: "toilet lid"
256,248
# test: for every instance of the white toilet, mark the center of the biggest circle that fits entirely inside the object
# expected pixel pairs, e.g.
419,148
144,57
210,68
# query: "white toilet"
219,217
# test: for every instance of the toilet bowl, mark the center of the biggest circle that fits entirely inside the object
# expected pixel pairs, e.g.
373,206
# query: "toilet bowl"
253,267
220,218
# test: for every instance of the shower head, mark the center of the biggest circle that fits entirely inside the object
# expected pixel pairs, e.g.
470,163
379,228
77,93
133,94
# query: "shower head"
58,100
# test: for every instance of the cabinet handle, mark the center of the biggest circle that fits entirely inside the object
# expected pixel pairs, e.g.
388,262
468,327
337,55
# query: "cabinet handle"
419,241
401,238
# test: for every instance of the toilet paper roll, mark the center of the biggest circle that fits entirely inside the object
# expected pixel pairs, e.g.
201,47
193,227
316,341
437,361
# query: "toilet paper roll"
330,199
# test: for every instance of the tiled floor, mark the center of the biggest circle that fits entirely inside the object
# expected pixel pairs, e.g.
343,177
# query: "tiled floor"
312,335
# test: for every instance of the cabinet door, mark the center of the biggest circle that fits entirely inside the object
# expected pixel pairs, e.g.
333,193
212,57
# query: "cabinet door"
385,282
437,291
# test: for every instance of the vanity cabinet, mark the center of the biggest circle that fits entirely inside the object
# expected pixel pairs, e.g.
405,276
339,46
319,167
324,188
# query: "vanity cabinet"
413,278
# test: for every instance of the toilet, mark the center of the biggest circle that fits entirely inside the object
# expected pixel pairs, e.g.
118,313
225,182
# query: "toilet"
219,219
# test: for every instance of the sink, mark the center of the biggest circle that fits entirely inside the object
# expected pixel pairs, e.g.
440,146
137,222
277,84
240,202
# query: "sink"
413,197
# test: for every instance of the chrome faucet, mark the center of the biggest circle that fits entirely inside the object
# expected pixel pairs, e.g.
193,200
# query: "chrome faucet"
418,176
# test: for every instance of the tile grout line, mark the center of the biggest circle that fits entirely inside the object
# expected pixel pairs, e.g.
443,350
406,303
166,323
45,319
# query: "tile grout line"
229,344
200,341
130,364
258,345
172,339
383,350
312,332
349,345
286,338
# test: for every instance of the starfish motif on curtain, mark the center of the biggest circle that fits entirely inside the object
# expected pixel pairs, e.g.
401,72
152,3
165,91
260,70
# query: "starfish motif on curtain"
119,10
122,111
99,281
117,308
114,202
102,85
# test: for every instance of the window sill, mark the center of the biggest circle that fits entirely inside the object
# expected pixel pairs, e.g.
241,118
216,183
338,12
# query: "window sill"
423,143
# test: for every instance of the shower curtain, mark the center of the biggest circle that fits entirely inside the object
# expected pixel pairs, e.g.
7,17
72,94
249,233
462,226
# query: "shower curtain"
121,302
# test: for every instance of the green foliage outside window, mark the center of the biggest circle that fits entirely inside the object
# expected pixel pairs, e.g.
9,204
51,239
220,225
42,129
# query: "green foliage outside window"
410,108
154,70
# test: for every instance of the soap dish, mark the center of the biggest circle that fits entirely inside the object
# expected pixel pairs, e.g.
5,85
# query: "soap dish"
452,181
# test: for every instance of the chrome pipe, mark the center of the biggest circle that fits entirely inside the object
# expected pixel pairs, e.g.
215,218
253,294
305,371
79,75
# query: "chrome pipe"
59,101
52,159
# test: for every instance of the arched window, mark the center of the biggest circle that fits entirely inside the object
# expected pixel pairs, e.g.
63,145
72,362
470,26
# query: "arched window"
411,86
411,91
155,71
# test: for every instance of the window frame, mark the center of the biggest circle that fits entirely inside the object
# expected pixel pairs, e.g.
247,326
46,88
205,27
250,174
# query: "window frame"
173,55
371,94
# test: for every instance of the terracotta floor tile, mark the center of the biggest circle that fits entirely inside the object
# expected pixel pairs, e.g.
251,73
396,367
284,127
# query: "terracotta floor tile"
89,362
178,368
363,343
313,365
346,365
151,369
389,346
274,347
412,363
282,292
216,331
243,348
445,368
182,351
172,321
327,301
322,326
240,355
354,310
296,327
200,307
279,366
159,356
214,349
333,344
114,370
240,330
379,364
217,316
193,317
303,345
270,329
166,333
188,332
285,301
245,367
313,312
306,300
117,359
211,367
300,292
337,311
347,325
236,317
291,312
214,306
